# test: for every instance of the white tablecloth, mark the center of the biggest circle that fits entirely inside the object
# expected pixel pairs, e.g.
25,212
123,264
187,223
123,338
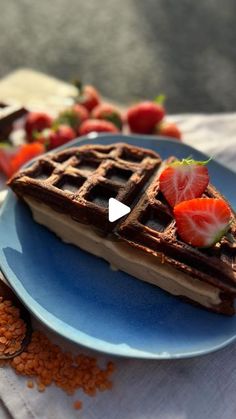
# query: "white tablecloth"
199,388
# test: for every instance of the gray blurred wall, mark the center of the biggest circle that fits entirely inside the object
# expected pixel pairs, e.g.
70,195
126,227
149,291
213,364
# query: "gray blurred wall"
130,49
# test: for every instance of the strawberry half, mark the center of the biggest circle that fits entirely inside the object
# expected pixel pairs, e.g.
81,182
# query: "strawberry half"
183,180
202,222
12,158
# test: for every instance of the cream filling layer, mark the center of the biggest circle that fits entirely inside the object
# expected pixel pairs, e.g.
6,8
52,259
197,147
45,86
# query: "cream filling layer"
122,256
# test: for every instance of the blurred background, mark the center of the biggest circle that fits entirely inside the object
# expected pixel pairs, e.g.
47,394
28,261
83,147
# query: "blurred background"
129,49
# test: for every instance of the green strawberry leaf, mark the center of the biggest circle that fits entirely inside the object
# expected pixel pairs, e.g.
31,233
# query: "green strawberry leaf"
115,119
78,84
189,161
67,118
36,134
5,145
160,99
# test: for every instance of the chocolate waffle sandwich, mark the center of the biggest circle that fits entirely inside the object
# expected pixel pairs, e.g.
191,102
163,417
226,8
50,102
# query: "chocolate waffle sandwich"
68,191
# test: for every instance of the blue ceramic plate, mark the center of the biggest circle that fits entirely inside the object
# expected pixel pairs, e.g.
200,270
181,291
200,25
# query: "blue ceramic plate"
78,296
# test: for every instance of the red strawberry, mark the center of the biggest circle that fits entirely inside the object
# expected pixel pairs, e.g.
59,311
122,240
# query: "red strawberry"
96,125
89,97
202,222
143,117
7,153
168,129
11,158
109,113
59,136
73,116
183,180
36,122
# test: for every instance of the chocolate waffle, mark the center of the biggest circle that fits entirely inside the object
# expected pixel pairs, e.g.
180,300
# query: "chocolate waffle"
80,181
70,189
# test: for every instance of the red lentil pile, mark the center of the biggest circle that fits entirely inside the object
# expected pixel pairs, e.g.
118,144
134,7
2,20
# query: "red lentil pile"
12,328
45,363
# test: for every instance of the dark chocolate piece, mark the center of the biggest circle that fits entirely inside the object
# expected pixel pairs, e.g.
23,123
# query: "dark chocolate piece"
8,115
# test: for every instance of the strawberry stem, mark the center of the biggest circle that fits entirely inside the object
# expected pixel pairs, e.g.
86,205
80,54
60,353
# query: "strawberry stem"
160,99
189,161
78,84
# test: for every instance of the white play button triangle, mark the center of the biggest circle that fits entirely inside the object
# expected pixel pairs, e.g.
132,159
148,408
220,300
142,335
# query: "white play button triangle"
117,210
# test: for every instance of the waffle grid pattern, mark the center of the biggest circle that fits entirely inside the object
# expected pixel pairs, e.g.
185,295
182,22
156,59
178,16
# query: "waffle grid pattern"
151,225
83,179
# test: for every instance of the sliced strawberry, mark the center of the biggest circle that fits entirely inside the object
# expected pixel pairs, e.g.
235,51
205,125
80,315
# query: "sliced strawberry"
25,153
202,222
11,158
6,154
183,180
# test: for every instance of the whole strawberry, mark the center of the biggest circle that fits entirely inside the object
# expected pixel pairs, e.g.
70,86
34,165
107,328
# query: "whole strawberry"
109,113
59,136
88,97
97,125
73,116
143,117
36,122
168,129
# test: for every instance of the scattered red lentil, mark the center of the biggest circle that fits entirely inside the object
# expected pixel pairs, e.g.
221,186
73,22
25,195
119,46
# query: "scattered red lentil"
30,384
12,328
46,362
78,405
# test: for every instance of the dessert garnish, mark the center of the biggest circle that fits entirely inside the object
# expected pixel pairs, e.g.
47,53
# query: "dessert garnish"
202,222
184,179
